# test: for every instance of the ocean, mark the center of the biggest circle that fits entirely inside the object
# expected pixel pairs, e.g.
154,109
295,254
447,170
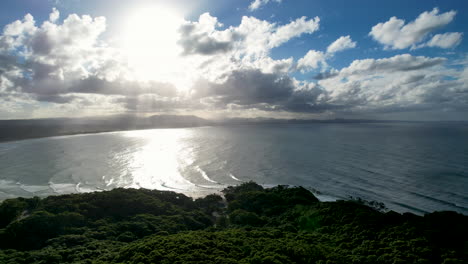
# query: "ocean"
410,167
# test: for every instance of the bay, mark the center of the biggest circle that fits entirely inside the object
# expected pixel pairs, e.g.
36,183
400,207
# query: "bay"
415,167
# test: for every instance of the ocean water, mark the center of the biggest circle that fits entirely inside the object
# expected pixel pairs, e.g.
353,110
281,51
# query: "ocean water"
415,167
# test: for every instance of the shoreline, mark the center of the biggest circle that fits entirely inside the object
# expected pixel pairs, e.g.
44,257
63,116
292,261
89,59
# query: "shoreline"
45,191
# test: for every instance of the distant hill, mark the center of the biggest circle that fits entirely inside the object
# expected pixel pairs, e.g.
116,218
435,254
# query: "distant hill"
34,128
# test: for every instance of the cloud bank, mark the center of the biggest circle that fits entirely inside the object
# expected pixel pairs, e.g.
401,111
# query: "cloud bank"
64,67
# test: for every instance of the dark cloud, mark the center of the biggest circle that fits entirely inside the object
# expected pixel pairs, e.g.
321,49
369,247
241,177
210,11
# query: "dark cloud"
305,107
245,87
440,92
398,63
55,98
100,86
248,89
68,64
325,75
414,78
41,43
41,80
41,71
194,42
308,101
7,62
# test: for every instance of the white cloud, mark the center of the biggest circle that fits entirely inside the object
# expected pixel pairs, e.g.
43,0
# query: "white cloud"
312,60
295,28
68,66
202,36
269,65
56,55
445,41
395,34
398,63
66,62
14,33
256,4
54,15
342,43
19,27
258,37
395,84
252,38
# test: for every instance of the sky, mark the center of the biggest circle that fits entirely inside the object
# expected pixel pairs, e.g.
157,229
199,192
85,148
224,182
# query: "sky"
398,60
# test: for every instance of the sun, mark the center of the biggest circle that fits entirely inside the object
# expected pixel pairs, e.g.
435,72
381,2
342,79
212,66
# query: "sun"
149,37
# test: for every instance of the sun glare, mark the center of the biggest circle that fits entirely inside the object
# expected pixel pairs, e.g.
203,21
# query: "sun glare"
150,42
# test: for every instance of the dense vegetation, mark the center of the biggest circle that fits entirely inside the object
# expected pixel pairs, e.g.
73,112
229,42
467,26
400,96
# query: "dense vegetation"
252,225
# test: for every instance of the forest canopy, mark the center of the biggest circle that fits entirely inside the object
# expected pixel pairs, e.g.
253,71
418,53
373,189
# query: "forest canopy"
247,224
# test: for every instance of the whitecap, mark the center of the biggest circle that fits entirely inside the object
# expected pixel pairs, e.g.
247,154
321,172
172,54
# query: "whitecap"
85,188
34,188
234,177
204,175
63,188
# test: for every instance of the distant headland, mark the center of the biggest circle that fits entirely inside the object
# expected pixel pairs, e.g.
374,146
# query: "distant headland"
48,127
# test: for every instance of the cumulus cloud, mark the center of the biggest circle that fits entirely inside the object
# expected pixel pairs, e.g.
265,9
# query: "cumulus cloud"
312,60
396,84
256,4
253,37
446,40
53,53
27,25
14,33
342,43
269,65
57,62
67,66
294,29
246,87
64,63
326,75
396,34
54,15
202,37
253,89
398,63
369,86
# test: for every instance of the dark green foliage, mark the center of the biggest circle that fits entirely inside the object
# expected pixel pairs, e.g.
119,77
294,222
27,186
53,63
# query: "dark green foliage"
252,197
253,225
210,203
120,214
11,209
230,246
245,218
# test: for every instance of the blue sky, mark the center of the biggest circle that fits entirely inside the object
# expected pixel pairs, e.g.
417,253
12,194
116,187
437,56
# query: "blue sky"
390,59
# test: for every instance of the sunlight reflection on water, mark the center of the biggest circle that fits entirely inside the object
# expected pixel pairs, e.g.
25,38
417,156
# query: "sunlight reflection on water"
158,163
409,167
